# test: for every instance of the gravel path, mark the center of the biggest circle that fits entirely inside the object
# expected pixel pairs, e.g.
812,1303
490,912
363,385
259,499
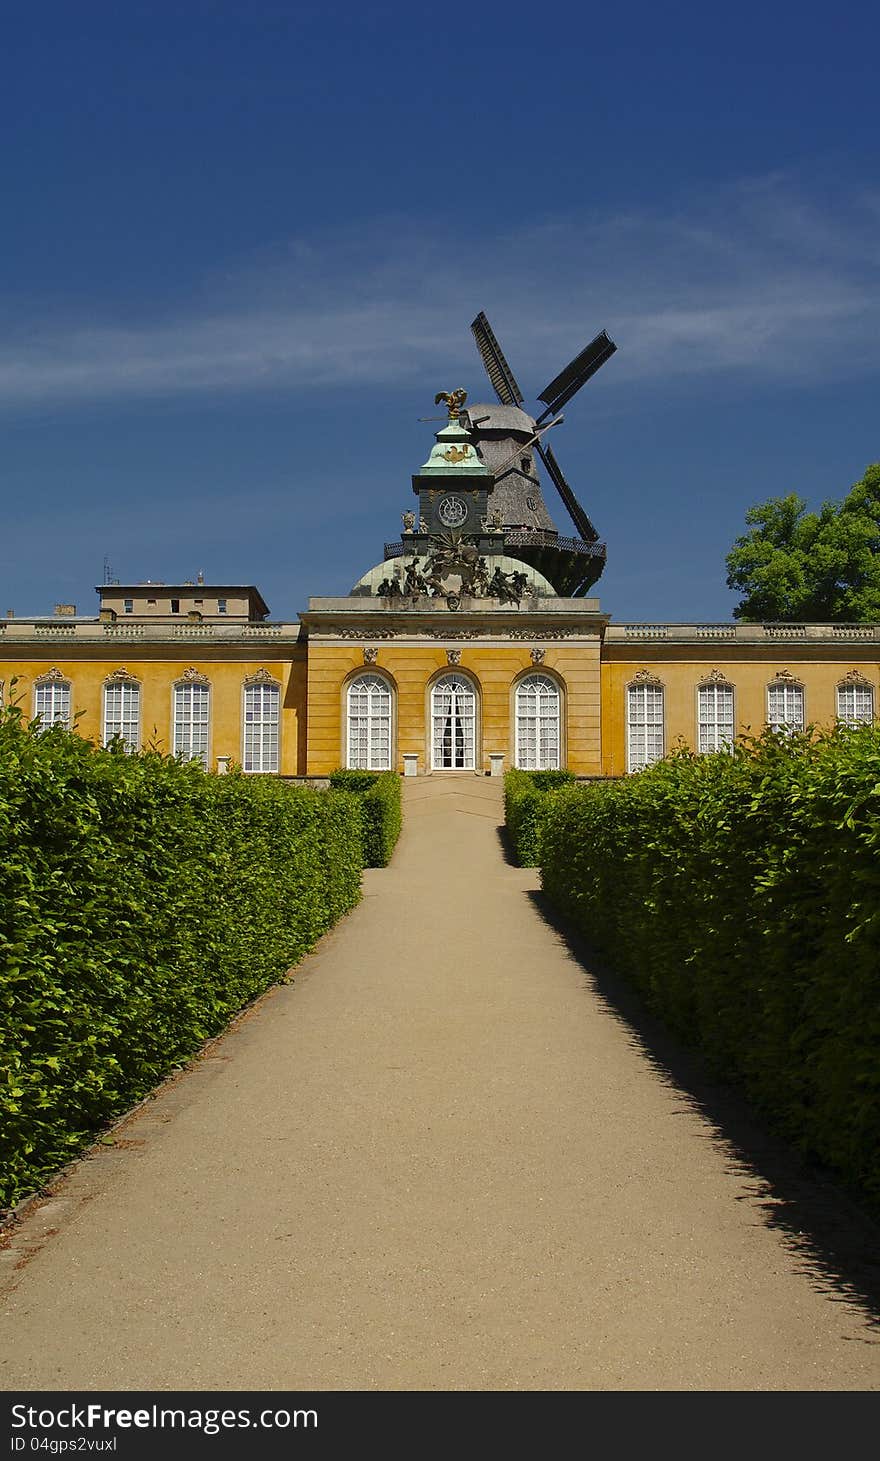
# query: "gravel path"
435,1161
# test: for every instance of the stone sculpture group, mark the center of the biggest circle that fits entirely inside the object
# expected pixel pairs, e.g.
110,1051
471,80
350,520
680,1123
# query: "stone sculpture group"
476,582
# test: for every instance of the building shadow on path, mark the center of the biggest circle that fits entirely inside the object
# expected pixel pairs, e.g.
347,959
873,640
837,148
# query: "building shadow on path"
836,1241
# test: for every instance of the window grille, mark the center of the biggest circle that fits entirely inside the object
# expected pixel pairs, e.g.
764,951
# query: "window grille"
537,724
785,707
52,703
262,719
644,725
715,726
191,718
369,724
453,724
855,704
122,714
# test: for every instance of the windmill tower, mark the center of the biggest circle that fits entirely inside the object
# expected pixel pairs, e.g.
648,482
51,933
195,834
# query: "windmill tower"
508,441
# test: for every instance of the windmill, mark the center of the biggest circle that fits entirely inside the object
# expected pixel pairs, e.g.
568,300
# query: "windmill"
576,563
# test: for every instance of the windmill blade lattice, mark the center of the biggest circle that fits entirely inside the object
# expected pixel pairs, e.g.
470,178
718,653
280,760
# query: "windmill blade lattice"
572,506
499,372
576,374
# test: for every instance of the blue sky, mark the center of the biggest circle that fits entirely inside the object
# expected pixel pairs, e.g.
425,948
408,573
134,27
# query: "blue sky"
242,246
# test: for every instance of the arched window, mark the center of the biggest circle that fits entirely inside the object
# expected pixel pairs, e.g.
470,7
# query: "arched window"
453,724
52,700
369,724
537,724
262,721
644,723
855,702
122,712
785,706
715,726
192,710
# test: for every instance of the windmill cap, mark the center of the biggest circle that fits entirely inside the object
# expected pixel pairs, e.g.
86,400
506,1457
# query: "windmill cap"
492,417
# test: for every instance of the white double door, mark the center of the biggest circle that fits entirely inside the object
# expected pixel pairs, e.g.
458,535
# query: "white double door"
453,724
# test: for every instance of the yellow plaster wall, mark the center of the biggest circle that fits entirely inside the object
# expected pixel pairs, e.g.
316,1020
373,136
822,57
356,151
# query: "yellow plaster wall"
157,676
680,674
413,667
312,722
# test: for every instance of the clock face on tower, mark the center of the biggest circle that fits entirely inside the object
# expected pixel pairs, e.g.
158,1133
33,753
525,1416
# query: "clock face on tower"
452,511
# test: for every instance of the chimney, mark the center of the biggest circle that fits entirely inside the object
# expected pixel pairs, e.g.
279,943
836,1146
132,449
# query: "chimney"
65,610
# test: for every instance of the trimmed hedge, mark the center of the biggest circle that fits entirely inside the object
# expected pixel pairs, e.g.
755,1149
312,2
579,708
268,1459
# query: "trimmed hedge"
525,803
380,796
741,894
142,903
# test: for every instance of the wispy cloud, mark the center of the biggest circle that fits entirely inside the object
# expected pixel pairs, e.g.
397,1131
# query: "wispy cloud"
756,278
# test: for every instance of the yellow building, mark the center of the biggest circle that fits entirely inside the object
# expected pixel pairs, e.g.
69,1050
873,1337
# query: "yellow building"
472,646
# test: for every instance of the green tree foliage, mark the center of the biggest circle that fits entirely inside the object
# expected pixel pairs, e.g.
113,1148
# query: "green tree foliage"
741,894
142,903
811,566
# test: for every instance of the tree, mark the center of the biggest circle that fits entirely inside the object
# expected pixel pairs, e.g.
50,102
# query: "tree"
811,566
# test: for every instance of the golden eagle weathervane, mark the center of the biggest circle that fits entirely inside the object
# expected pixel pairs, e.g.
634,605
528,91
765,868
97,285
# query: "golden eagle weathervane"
454,401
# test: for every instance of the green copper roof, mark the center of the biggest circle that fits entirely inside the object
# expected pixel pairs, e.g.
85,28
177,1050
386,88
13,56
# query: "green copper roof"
453,455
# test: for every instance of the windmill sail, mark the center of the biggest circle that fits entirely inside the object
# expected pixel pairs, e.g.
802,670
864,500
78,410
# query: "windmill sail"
573,507
497,368
576,374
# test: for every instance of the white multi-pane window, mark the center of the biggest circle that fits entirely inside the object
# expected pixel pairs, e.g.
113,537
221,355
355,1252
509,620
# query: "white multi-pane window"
785,706
855,704
714,717
369,724
192,708
122,713
537,724
644,738
453,724
262,717
52,703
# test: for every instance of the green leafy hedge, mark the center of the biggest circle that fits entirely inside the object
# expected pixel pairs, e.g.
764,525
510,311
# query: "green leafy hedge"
142,903
741,893
525,803
381,804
